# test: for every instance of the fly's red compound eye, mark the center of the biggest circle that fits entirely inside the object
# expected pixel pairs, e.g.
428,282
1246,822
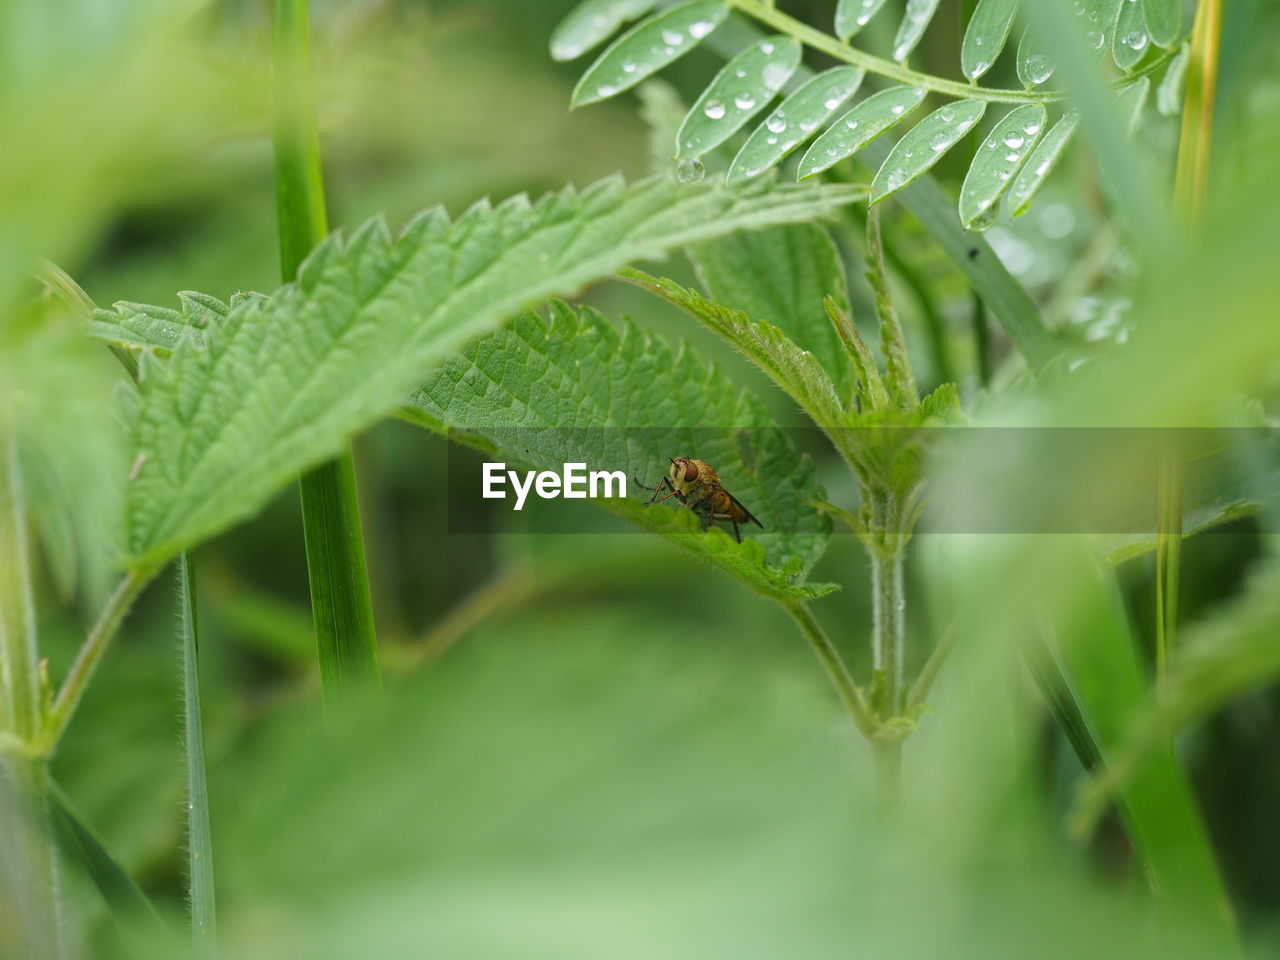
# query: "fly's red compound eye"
690,471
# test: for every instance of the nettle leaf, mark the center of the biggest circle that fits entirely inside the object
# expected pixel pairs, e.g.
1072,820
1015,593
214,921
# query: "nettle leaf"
592,23
646,48
1035,66
985,36
1001,155
739,91
923,145
140,326
853,15
794,121
1041,162
872,117
1131,38
915,21
782,275
284,381
581,390
1163,19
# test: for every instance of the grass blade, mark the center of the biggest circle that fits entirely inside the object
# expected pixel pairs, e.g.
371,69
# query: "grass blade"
131,910
199,838
340,599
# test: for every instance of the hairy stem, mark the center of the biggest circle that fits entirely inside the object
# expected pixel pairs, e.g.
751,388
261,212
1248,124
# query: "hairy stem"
28,845
341,604
766,13
19,659
834,664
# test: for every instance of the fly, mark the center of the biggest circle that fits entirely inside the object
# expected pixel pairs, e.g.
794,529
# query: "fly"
696,484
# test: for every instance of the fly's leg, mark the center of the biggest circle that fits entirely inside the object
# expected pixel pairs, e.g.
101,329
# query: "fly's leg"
658,489
736,534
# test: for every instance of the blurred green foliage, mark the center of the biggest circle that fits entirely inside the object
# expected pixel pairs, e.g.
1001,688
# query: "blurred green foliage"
592,745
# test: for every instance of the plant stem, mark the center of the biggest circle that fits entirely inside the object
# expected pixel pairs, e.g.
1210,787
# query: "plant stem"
24,790
834,664
91,651
830,45
1169,513
30,848
19,658
1191,184
341,604
888,635
199,837
888,757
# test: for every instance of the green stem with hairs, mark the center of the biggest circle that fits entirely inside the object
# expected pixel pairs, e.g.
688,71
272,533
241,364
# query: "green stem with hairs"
850,695
341,604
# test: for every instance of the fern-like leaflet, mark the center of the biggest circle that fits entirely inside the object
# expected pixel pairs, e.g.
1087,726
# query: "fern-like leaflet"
1130,31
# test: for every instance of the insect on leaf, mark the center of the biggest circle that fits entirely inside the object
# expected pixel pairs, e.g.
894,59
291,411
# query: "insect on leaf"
924,144
872,117
794,121
1042,160
591,23
1163,19
997,161
646,48
853,15
914,23
583,390
739,91
985,36
1131,38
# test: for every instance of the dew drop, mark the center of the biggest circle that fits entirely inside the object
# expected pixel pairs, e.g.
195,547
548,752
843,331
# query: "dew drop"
896,179
897,109
1039,68
628,66
1095,39
690,171
947,114
771,141
774,75
1013,157
809,124
1031,129
714,109
766,48
740,74
852,124
1014,141
1137,40
606,90
776,123
833,99
744,101
673,38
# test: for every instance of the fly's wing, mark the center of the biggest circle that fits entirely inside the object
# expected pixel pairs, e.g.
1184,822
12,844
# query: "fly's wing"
745,512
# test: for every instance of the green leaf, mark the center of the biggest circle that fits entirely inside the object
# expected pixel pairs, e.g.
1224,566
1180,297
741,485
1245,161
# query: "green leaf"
872,117
140,326
853,15
781,275
914,22
799,373
1001,156
646,48
284,381
200,890
1043,159
1035,66
986,35
1169,93
1163,19
546,395
794,121
1131,38
591,23
923,146
739,91
1132,100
